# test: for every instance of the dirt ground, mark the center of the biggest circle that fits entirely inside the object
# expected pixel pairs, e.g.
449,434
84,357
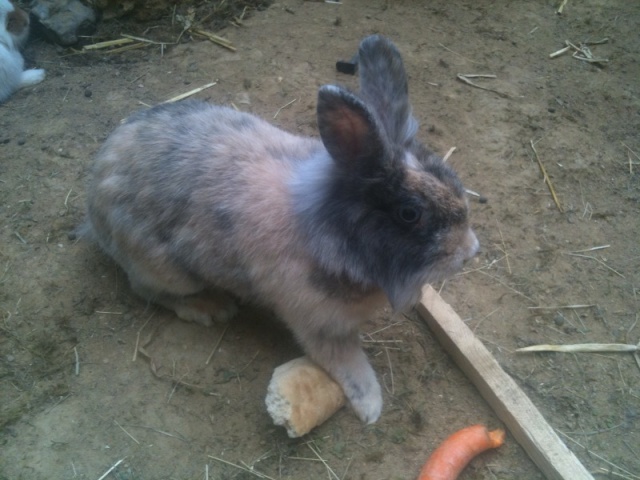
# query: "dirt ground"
73,401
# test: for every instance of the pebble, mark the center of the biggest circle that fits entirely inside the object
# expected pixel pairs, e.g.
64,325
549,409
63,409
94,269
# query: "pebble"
559,319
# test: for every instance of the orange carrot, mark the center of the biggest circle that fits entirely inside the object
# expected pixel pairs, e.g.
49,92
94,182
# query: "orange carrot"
450,458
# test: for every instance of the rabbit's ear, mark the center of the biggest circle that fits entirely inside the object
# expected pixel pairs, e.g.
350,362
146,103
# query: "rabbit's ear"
349,130
383,85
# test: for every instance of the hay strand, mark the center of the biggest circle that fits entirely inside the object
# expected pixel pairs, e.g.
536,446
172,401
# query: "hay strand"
547,180
223,42
582,348
113,467
182,96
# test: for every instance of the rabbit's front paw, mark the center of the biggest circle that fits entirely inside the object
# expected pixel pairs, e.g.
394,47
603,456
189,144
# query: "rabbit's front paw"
365,397
343,358
32,77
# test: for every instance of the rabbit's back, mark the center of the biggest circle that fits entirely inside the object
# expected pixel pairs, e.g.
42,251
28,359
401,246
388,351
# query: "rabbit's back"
194,192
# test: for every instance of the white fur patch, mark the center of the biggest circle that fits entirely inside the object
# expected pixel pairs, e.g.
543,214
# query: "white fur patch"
310,182
411,161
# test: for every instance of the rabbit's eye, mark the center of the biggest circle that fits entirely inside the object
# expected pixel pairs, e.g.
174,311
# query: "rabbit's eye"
408,214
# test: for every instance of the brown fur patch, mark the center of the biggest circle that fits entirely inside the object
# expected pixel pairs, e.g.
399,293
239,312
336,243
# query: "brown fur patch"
17,21
351,128
427,187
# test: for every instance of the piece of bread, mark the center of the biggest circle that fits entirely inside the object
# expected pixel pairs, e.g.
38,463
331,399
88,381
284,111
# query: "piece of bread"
301,396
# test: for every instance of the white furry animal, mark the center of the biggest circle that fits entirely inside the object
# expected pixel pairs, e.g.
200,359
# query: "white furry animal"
14,30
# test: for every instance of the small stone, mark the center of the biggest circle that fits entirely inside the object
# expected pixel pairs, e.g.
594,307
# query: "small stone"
559,319
88,93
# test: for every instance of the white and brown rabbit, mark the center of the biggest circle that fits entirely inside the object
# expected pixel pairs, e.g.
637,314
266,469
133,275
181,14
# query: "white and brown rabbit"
192,197
14,30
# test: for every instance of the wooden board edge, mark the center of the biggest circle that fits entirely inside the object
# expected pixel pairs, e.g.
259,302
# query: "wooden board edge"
511,404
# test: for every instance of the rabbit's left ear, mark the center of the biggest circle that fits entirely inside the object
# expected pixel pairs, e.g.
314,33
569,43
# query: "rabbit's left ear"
351,133
383,85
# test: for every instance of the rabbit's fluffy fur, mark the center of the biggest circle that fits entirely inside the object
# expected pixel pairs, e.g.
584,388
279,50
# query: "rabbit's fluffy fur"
200,204
14,30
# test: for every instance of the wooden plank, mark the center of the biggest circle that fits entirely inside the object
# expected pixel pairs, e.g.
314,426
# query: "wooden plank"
510,403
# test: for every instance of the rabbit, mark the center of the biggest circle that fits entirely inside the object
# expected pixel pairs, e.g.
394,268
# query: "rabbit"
14,30
190,198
